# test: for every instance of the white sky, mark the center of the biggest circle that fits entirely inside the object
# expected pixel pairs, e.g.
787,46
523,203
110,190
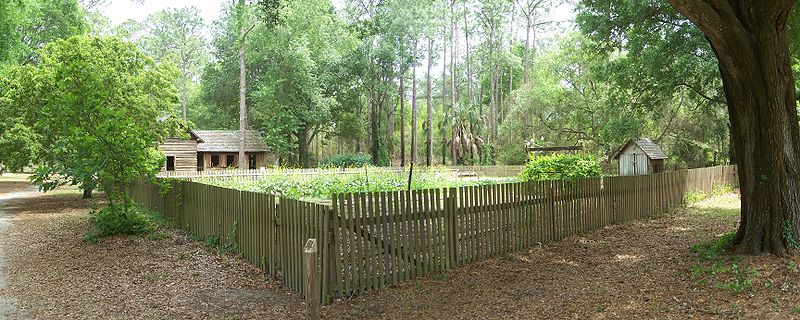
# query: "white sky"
119,11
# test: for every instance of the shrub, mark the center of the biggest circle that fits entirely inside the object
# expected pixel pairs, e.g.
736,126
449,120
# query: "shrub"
113,220
347,160
560,167
693,197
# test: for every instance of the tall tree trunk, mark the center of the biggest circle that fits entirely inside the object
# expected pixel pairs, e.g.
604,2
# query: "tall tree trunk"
453,122
414,110
527,61
402,120
389,144
443,125
750,41
302,147
184,74
429,98
470,96
242,99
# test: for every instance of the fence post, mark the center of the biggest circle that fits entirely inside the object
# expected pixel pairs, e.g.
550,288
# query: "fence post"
452,233
312,283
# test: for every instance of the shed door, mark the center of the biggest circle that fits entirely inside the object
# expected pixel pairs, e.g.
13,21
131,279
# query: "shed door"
639,164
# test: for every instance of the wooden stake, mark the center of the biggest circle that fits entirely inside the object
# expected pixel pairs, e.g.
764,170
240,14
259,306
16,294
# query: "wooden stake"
312,285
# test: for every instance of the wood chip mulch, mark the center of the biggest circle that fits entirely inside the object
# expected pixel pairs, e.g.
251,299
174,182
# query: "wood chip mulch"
639,270
54,274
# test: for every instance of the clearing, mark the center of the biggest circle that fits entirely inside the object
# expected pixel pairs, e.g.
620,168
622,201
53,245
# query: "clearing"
642,269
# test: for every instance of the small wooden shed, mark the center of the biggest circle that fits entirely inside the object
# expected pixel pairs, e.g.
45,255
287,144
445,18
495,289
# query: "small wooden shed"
639,157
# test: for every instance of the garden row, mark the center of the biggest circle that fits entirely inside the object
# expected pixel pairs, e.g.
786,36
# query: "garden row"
372,240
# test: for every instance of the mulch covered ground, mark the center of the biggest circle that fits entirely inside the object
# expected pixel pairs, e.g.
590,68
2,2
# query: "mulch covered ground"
640,270
54,274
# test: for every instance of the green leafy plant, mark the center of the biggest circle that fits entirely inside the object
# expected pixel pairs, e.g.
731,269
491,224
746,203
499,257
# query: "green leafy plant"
711,249
693,197
347,160
560,167
322,186
113,220
722,189
788,235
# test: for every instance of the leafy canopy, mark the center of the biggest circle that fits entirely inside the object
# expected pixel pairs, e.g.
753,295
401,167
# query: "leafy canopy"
102,101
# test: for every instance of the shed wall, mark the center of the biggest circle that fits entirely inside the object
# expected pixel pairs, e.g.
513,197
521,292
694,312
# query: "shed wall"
633,161
184,151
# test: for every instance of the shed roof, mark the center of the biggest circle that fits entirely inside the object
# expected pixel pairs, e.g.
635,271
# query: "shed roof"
650,148
228,141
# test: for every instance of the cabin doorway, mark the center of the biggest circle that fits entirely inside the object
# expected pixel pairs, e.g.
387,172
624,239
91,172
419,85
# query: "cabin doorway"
170,163
230,160
251,160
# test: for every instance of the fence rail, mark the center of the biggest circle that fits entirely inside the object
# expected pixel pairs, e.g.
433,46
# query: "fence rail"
254,174
369,241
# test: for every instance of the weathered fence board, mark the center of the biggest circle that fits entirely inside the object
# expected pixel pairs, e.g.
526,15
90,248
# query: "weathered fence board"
370,241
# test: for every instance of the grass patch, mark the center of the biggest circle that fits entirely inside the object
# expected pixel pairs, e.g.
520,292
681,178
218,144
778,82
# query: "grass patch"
722,189
712,249
693,197
14,177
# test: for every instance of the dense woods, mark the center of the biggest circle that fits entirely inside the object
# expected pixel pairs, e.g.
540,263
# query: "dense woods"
453,82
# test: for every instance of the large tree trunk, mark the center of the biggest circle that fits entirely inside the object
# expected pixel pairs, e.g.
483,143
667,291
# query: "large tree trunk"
414,110
751,44
302,147
429,98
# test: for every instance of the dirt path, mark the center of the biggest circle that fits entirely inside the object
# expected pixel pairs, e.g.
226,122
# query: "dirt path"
9,306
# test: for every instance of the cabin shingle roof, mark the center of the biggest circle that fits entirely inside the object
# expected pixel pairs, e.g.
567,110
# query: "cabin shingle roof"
650,148
228,141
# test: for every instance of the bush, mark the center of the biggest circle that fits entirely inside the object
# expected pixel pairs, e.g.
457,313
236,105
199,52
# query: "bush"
347,160
560,167
113,220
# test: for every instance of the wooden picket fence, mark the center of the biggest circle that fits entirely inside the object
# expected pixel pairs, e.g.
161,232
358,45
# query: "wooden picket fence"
370,241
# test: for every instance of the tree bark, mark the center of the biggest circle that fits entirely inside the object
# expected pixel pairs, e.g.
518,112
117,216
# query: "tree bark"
750,41
414,110
443,124
302,147
429,98
453,122
402,120
469,57
242,100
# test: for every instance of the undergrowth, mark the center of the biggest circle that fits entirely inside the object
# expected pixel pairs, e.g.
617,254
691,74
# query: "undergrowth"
724,273
114,220
694,197
229,244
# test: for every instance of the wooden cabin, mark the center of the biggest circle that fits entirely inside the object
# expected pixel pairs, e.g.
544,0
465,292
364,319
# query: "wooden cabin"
213,149
639,157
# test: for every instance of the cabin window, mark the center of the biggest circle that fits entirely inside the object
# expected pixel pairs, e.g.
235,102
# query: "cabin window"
170,163
252,161
229,160
214,160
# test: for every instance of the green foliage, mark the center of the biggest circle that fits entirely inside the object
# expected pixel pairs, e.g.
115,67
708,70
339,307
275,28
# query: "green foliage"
693,197
19,147
722,189
101,103
711,249
322,186
560,167
788,234
113,220
347,160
